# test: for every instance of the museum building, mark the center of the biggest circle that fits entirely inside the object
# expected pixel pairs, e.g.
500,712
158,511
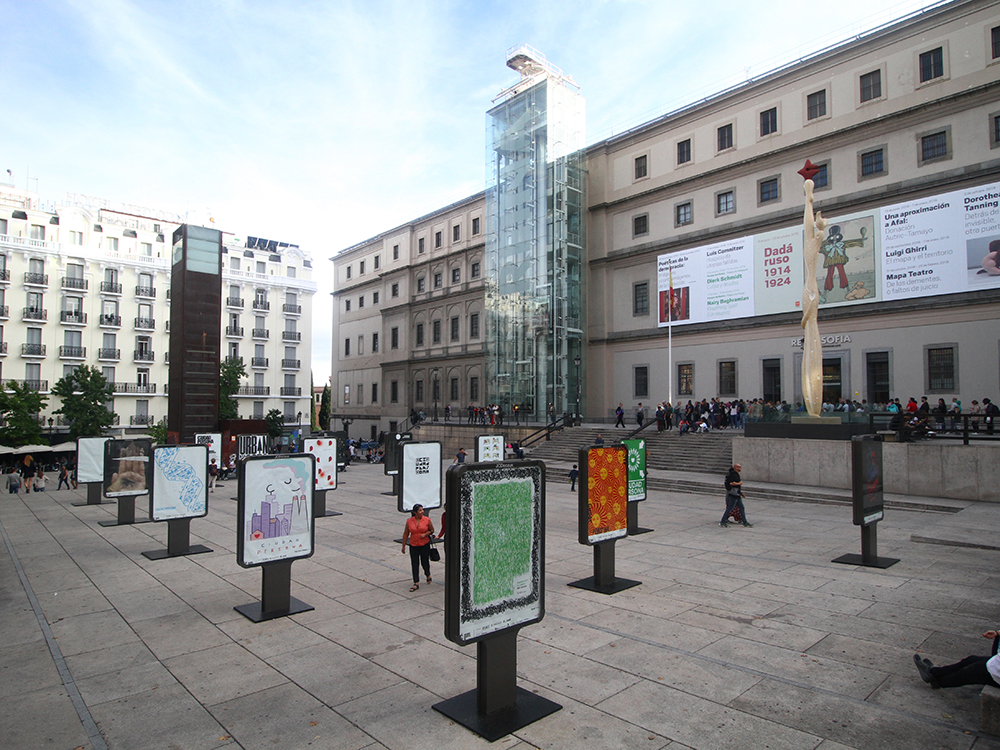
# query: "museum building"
692,279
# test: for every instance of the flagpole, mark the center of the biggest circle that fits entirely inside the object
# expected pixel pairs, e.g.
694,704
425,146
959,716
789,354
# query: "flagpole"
670,342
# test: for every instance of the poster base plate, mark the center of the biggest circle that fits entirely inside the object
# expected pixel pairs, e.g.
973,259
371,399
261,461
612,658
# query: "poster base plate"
590,584
878,562
118,523
638,530
527,709
162,554
328,513
254,610
84,505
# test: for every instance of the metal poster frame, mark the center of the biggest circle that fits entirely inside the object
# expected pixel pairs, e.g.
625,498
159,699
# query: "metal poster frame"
421,477
171,466
261,478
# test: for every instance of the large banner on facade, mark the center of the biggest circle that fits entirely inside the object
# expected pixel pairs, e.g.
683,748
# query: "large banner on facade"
942,244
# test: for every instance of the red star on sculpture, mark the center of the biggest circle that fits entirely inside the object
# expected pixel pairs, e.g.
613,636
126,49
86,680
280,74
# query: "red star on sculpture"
809,171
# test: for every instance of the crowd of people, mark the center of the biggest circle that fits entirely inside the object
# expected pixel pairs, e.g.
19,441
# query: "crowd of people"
30,475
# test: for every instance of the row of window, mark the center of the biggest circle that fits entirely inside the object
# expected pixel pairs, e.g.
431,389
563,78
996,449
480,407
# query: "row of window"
456,236
438,282
931,67
419,394
940,376
419,333
872,162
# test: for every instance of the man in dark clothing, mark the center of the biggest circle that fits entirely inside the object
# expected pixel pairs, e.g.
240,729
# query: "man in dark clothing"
992,413
972,670
734,497
620,416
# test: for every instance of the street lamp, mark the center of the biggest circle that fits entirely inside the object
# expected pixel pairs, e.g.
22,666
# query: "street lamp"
576,361
51,422
436,393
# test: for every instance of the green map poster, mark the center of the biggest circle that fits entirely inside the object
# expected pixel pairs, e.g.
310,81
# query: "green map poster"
636,466
501,530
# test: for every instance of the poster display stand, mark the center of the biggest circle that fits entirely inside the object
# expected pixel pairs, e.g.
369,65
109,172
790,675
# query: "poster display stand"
94,496
420,476
126,476
275,517
603,493
636,484
325,449
392,458
180,493
90,468
494,586
867,485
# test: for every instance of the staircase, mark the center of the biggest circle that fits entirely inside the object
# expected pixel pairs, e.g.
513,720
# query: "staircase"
711,453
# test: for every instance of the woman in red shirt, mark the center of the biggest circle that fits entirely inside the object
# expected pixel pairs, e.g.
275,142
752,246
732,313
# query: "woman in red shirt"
419,531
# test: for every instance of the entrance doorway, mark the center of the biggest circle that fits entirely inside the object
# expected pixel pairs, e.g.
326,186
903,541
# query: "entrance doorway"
832,390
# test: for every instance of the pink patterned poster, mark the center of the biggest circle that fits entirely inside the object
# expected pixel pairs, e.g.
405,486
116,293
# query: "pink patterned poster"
325,451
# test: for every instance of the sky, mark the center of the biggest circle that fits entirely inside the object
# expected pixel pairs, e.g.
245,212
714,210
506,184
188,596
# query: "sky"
324,123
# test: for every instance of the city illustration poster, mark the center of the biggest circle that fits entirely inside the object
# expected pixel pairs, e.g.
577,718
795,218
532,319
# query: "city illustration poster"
276,508
500,532
607,494
180,482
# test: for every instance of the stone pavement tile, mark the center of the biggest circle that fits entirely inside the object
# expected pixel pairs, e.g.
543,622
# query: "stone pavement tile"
431,628
910,694
148,604
41,718
143,721
851,721
762,629
575,637
801,668
719,582
439,669
46,563
401,717
577,725
374,597
179,634
272,637
27,664
867,654
901,633
122,682
250,581
978,607
831,745
577,677
699,723
97,630
68,602
702,677
221,673
216,605
287,716
18,623
644,627
324,607
364,635
570,607
946,622
737,602
120,580
104,660
406,609
815,599
736,562
47,581
946,648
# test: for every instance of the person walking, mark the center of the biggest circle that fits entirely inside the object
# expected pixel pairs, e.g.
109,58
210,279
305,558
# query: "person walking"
213,474
640,415
418,532
13,482
63,477
734,497
573,474
620,415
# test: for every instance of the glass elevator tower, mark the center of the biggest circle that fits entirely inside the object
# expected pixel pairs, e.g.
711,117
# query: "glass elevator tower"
535,241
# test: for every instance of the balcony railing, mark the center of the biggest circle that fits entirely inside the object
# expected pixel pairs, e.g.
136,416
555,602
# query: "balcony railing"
291,364
73,316
5,275
111,287
289,419
73,352
261,304
3,347
32,350
72,282
233,360
4,311
32,385
108,319
258,361
292,309
291,390
254,390
145,324
36,279
291,336
261,333
234,331
145,291
141,419
109,354
234,302
143,355
134,387
35,313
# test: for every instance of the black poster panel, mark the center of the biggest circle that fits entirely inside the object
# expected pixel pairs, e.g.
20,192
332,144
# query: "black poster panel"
868,480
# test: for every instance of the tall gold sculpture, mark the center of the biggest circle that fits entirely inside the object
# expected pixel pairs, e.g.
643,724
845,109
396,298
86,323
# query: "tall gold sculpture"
812,349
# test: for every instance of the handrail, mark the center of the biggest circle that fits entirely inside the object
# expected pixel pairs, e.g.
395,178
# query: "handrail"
981,429
559,424
637,430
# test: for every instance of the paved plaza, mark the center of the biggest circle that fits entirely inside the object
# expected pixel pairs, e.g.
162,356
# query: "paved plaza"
737,638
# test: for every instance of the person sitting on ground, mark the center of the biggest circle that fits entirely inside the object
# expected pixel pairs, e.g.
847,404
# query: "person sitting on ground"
972,670
702,426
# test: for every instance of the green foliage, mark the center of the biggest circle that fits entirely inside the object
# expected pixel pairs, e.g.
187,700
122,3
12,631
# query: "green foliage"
19,410
324,409
84,393
275,423
230,373
158,432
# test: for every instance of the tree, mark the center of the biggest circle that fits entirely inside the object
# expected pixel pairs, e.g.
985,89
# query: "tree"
230,373
20,409
158,432
275,424
84,393
324,409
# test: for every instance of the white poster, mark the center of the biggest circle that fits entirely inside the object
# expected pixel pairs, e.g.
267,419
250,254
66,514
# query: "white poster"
275,509
251,445
214,441
90,459
710,283
489,448
180,482
420,476
325,451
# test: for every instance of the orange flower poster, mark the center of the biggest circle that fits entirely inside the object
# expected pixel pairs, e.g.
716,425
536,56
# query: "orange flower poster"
605,494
